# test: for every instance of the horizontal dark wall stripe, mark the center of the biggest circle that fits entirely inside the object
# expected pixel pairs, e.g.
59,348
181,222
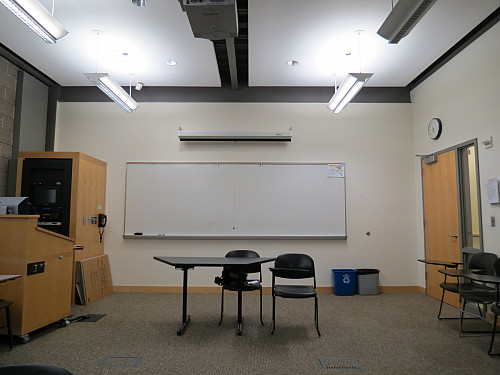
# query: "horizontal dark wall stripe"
462,44
26,66
242,95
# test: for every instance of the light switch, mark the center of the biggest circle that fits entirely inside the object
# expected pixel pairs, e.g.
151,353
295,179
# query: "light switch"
493,224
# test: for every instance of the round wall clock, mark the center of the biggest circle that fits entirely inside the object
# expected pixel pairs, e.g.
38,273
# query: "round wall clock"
434,129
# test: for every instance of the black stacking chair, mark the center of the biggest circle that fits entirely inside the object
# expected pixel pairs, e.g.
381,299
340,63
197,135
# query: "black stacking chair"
481,263
233,281
33,369
495,309
480,296
6,305
294,266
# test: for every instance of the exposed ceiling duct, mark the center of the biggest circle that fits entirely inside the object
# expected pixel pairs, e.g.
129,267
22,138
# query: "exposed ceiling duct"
217,20
403,17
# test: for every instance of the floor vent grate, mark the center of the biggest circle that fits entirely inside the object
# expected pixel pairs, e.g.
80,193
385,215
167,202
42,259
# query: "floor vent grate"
119,361
339,363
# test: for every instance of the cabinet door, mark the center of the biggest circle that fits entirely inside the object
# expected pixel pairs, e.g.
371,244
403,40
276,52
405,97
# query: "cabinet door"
48,294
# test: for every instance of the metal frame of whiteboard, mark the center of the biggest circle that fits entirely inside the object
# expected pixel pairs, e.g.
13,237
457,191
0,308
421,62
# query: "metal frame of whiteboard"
166,236
236,237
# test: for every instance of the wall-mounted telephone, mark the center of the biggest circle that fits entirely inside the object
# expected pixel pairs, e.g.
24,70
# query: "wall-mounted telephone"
102,220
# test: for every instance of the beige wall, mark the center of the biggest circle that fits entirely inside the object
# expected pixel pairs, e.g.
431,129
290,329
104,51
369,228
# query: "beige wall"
378,143
465,94
374,140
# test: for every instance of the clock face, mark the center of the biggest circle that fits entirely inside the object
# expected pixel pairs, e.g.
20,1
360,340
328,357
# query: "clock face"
434,129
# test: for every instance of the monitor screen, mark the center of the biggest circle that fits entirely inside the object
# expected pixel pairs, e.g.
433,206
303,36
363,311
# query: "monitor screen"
45,196
13,205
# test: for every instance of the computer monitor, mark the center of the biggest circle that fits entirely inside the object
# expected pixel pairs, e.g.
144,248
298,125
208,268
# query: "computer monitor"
14,206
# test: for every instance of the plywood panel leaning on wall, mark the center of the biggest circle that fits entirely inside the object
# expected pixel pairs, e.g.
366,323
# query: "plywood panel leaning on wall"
88,198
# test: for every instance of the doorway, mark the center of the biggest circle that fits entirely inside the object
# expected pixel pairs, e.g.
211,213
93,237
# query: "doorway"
452,217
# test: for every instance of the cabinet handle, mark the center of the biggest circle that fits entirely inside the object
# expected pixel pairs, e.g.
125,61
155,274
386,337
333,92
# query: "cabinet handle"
453,235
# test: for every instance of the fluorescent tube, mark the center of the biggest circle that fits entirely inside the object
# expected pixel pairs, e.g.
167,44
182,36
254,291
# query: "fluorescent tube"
348,90
37,17
112,89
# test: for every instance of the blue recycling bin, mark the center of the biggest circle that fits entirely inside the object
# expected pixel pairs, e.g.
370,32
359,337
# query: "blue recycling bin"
344,282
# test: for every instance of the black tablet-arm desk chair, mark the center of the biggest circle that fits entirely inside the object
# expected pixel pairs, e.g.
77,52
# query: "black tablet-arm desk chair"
6,305
480,263
486,295
235,279
33,369
294,266
495,309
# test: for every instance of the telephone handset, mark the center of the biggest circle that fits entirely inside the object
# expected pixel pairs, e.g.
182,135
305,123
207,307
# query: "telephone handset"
102,220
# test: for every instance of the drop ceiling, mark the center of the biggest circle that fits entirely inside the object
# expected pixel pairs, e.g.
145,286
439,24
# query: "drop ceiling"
137,43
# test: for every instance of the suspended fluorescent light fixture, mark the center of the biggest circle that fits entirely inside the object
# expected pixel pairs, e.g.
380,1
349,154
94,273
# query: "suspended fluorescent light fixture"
348,90
112,89
351,86
38,18
403,18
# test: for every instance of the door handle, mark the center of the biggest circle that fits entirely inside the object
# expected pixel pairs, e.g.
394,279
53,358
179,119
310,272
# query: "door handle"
453,236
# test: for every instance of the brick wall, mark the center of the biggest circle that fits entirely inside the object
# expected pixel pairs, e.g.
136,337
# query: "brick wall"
8,79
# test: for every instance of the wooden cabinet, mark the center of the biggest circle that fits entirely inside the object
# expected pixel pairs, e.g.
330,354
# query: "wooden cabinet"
88,198
39,298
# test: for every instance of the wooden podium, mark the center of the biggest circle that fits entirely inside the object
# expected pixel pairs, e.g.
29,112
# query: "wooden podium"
42,295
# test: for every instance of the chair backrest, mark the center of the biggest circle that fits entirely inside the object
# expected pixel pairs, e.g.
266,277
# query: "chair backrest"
496,267
294,266
483,261
33,369
246,254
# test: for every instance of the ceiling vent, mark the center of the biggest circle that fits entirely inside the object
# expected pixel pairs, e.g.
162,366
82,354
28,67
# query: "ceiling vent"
403,17
217,136
212,19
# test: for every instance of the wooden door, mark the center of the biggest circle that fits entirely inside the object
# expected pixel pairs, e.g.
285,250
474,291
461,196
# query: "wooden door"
441,219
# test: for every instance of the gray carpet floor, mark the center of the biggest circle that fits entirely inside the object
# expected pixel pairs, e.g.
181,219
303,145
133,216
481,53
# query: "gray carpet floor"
382,334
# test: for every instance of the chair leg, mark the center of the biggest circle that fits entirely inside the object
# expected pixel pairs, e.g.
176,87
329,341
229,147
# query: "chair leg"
274,313
462,316
493,332
316,317
221,307
261,321
480,310
9,327
441,306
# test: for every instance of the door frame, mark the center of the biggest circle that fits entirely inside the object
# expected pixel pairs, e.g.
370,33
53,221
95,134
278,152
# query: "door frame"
465,252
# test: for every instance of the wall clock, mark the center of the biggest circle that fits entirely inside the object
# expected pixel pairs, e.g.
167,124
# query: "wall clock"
434,129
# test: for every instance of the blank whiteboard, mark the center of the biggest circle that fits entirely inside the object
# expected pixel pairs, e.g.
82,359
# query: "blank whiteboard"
233,200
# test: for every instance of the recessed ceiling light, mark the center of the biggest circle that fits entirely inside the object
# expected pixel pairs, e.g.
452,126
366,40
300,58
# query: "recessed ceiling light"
292,63
140,3
171,62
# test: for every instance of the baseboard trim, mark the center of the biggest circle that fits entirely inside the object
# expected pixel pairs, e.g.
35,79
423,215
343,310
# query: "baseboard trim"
266,289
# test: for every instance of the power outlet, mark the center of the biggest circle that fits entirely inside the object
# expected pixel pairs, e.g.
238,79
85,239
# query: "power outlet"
34,268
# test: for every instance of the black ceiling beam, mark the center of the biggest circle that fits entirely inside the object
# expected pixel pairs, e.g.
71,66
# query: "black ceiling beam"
232,55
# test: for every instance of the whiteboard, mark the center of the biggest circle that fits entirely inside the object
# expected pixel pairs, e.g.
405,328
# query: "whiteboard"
234,200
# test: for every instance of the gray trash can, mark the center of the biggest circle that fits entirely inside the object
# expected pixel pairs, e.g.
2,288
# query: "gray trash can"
367,281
